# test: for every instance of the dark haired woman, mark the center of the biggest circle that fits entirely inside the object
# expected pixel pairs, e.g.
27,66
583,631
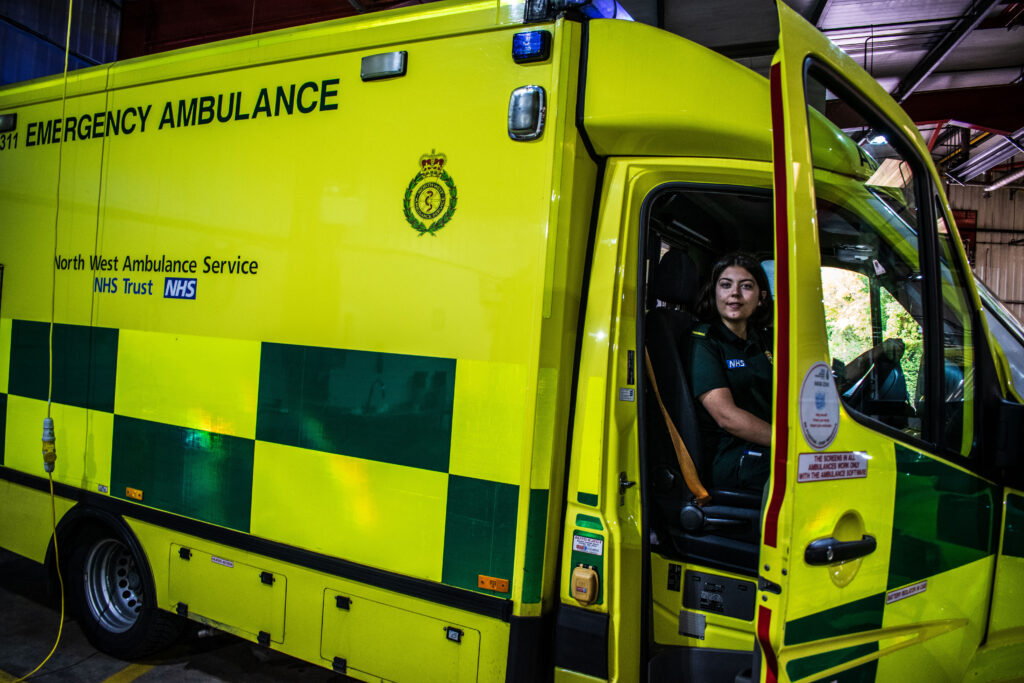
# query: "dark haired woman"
731,372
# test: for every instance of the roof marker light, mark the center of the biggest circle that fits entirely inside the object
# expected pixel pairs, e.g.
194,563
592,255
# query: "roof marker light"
531,46
606,9
536,11
596,9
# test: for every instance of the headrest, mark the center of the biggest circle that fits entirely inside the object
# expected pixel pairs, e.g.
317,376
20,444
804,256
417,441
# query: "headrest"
675,279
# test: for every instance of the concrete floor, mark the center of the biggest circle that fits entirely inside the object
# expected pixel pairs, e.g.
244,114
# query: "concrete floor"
29,618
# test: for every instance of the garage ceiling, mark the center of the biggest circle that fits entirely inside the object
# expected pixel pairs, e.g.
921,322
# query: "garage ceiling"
955,65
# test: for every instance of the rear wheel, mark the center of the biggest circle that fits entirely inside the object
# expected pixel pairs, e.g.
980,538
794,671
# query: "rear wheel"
112,593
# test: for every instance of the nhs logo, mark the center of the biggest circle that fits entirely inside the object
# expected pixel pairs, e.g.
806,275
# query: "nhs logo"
180,288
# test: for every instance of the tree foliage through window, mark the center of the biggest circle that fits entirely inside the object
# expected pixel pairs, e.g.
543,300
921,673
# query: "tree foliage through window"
847,300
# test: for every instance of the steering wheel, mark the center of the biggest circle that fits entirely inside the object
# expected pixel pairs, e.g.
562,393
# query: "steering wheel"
854,391
888,385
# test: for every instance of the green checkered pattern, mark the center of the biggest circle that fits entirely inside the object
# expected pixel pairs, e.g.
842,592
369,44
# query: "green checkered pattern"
382,407
941,521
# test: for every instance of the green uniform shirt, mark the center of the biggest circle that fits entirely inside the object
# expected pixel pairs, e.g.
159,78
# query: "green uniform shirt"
720,359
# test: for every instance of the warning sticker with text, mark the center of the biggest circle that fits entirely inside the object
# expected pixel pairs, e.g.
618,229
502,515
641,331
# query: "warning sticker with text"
828,466
906,592
585,544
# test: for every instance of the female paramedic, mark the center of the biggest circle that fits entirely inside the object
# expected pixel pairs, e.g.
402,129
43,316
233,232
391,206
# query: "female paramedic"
731,372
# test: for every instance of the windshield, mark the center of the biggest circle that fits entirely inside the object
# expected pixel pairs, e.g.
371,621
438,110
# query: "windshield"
993,305
1008,333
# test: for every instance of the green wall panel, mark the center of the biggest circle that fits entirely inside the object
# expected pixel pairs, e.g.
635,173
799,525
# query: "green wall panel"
942,518
536,532
190,472
84,363
480,532
864,673
851,617
378,406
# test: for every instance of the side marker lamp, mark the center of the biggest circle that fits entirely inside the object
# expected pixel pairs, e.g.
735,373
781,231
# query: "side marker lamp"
383,65
526,110
8,122
531,46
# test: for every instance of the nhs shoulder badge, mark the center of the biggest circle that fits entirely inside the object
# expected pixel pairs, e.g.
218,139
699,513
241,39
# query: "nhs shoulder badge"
430,198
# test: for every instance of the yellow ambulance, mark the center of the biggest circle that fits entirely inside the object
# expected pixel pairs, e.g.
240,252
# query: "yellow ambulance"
348,336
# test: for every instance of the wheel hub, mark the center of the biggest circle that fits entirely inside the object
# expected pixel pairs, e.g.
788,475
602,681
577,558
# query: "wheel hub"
113,585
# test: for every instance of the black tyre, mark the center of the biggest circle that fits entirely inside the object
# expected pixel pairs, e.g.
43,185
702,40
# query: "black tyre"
110,589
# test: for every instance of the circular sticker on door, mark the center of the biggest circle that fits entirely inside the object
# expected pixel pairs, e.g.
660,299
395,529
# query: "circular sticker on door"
819,407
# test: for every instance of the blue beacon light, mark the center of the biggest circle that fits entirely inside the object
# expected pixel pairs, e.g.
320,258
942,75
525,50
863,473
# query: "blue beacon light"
531,46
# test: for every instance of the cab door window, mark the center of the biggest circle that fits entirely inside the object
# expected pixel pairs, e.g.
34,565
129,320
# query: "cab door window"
862,317
896,308
957,347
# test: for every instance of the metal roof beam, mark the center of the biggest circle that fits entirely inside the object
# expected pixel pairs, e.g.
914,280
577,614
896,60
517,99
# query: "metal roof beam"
998,108
1004,150
941,50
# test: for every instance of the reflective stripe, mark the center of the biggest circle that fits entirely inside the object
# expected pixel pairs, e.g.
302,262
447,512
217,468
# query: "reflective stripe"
764,622
771,518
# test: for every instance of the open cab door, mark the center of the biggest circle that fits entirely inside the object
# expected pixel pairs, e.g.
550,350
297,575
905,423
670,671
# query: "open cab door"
880,528
870,553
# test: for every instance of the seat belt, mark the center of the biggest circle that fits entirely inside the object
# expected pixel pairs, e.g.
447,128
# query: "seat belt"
689,470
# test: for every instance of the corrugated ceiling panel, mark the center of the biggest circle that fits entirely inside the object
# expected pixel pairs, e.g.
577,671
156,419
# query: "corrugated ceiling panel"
867,12
997,262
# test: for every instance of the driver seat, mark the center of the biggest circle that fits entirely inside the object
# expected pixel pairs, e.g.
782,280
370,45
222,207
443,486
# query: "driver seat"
667,340
724,533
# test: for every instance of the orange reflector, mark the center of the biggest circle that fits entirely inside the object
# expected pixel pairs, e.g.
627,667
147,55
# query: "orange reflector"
133,493
492,584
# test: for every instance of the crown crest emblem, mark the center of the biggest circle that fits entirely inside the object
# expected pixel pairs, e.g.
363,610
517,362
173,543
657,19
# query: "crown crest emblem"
430,197
432,164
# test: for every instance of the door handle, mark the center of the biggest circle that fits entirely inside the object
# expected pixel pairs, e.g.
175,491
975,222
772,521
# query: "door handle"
829,550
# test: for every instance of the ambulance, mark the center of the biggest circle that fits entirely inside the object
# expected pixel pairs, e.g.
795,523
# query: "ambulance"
344,339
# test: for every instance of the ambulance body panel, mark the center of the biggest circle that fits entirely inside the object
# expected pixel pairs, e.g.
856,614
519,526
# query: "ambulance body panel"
348,370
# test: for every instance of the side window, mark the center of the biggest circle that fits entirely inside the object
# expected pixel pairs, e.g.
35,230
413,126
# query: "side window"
888,273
